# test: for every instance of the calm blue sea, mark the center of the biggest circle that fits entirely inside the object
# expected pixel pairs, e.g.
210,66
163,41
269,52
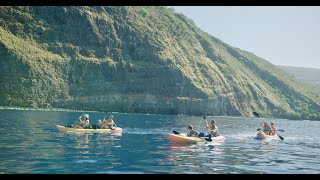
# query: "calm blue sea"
30,143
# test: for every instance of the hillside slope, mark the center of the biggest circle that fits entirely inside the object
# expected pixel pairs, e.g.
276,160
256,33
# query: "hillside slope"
137,59
310,76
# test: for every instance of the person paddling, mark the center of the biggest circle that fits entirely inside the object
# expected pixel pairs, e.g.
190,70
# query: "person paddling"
274,129
213,129
85,123
192,132
109,123
266,128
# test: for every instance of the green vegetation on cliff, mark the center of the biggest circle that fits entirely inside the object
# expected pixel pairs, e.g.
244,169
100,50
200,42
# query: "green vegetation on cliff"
137,59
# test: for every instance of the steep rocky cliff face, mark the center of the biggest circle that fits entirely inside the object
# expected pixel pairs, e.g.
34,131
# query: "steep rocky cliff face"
137,59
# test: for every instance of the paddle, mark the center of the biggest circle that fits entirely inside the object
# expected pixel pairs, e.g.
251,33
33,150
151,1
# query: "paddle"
81,116
205,117
175,132
281,130
280,136
207,139
257,115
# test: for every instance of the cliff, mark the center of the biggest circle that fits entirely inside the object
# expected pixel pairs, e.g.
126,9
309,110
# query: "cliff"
137,59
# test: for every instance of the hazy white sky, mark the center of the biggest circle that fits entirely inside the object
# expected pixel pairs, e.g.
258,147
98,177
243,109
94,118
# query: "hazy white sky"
283,35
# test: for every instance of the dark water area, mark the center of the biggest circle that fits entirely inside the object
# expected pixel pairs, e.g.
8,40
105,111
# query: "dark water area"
30,143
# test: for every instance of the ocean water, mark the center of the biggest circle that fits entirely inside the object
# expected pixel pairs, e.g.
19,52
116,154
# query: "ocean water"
30,143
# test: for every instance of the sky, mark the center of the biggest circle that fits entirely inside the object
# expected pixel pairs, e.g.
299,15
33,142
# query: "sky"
282,35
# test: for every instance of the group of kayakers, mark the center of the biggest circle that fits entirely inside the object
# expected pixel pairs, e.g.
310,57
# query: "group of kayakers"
84,123
269,129
212,129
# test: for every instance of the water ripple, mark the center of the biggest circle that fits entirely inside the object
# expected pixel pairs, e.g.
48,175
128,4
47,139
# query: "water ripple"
30,143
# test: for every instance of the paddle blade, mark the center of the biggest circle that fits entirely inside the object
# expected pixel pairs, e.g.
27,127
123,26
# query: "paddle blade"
175,132
256,114
208,138
259,129
280,137
204,117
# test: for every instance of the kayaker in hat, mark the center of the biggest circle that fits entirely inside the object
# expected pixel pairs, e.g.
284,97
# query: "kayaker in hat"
85,123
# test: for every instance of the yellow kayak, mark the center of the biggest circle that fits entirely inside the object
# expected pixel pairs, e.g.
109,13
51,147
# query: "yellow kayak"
180,138
63,128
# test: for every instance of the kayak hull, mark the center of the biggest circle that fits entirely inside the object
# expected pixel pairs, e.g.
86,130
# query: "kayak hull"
183,138
63,128
262,135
